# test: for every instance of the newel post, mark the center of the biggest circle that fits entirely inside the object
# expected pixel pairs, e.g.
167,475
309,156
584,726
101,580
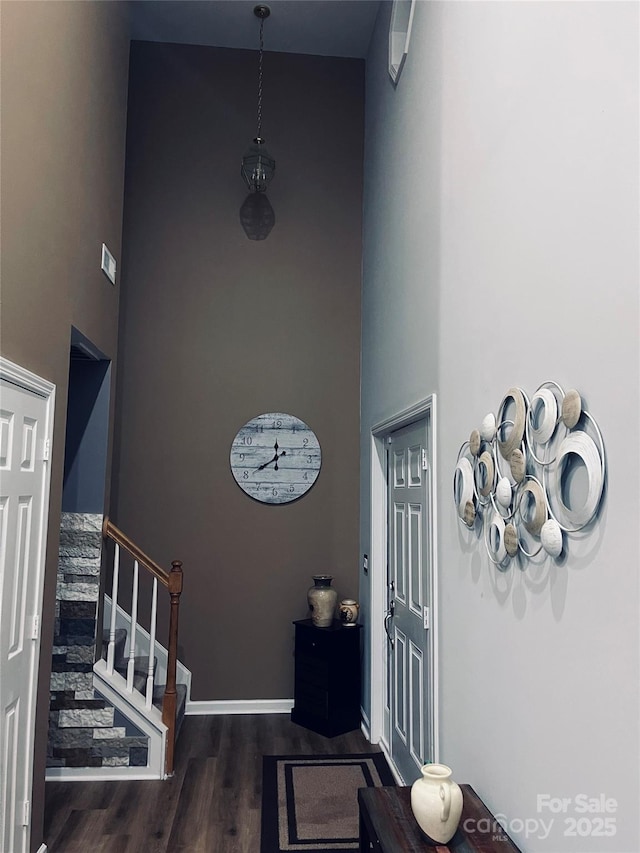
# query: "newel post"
169,703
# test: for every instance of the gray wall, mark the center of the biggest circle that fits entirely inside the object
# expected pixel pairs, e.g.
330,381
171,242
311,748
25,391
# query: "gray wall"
216,328
64,88
501,249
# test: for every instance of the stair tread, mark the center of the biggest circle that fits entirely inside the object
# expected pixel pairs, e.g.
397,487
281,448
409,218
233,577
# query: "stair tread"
158,692
140,665
121,634
120,642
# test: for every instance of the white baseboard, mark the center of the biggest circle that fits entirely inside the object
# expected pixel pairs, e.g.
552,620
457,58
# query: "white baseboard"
394,770
99,774
240,706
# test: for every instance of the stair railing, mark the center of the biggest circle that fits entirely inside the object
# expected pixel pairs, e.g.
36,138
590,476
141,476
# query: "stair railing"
172,580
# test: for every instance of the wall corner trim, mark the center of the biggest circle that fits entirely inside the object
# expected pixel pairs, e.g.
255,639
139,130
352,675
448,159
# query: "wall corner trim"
239,706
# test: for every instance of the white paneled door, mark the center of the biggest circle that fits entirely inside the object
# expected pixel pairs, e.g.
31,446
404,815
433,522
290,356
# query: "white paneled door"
26,418
409,583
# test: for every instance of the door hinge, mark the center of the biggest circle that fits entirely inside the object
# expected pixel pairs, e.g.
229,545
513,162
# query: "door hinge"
26,813
426,618
35,627
425,464
46,450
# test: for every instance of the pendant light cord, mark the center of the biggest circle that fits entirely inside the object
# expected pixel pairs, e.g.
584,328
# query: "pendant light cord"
260,79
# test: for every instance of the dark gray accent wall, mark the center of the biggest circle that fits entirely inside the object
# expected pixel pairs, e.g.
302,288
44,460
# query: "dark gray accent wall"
64,88
216,328
85,460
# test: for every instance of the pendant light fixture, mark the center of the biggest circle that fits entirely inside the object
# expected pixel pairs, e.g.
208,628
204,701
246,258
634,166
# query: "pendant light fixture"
258,166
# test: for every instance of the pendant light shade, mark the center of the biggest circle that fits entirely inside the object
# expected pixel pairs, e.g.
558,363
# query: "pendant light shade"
257,216
258,166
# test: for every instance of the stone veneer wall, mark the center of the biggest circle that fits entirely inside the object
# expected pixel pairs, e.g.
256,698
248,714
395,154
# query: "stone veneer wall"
85,730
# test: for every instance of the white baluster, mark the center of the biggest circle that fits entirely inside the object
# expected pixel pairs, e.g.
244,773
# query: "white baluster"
111,650
134,624
152,643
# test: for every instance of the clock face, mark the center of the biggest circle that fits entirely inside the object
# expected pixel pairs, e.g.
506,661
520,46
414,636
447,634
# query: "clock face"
275,458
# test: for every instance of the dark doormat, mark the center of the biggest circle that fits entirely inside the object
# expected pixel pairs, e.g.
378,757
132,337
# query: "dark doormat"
310,802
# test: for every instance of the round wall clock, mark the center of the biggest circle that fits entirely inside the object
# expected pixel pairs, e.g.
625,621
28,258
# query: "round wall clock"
275,458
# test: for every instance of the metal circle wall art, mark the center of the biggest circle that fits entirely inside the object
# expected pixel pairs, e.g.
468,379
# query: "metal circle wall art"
514,477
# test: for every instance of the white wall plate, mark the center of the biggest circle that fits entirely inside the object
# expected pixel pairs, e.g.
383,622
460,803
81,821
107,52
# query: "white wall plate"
108,264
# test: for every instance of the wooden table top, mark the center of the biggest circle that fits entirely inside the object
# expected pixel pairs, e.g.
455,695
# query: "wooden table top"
388,811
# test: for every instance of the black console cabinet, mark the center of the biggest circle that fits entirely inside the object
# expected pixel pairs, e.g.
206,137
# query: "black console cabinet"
327,678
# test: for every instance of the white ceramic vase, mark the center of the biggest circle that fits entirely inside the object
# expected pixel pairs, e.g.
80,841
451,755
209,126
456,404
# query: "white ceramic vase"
322,599
436,802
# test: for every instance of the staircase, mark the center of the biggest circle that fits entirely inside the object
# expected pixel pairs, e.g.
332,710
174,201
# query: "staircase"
129,692
117,718
141,671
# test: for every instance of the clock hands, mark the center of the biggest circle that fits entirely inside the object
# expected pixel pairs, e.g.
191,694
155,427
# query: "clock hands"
275,459
262,467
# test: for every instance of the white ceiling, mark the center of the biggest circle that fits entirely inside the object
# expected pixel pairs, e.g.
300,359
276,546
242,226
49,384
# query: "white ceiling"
322,27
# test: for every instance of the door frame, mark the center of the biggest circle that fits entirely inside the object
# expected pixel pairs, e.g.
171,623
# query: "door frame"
378,571
30,382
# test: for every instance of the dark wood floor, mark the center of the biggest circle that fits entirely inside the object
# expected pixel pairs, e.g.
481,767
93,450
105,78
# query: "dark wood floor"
210,805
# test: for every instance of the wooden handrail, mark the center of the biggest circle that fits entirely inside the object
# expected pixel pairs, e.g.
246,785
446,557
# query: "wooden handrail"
110,531
173,582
